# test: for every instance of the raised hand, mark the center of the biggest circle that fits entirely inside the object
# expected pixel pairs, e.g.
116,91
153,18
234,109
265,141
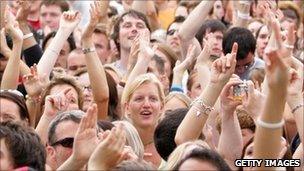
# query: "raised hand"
86,136
145,51
12,27
224,67
69,20
33,84
205,53
252,99
228,103
56,103
109,152
96,15
276,72
180,67
23,11
4,49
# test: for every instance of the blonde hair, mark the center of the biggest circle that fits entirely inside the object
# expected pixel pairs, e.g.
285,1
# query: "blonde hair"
140,80
180,96
181,150
133,139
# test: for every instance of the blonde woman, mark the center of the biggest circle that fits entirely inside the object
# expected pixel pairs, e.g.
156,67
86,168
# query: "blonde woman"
143,102
175,100
181,151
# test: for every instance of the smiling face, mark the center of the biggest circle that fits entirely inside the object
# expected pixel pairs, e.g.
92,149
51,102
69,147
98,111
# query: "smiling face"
129,29
145,107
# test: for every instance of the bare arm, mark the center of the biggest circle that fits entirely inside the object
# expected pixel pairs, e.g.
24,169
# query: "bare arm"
222,69
11,72
267,137
96,71
231,135
69,20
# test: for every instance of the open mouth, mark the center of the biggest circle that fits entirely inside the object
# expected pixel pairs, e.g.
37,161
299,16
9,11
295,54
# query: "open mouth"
146,113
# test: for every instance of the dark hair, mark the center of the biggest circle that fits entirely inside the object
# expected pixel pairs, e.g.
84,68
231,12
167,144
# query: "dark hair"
244,38
105,125
204,154
73,115
160,64
165,132
71,40
24,145
63,4
210,26
116,28
113,98
18,100
258,31
177,19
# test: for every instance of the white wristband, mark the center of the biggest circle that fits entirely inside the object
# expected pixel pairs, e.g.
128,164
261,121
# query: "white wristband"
270,125
244,16
27,36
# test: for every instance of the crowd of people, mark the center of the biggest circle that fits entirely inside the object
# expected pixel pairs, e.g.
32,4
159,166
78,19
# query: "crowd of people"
150,85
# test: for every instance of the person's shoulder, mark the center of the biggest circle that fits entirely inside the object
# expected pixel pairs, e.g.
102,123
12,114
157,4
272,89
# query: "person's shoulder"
259,63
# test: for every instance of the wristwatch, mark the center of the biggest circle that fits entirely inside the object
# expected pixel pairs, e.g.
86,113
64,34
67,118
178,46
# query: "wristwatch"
88,50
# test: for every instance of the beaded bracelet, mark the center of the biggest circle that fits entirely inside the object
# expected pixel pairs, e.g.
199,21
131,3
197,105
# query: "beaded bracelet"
203,109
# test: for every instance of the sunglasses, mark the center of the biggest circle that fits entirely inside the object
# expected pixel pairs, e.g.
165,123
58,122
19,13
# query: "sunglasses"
66,142
171,32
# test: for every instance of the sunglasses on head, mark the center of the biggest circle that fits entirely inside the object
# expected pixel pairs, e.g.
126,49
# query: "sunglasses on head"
15,92
66,142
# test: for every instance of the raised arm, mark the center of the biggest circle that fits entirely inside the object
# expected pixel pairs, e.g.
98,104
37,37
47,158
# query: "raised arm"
148,8
144,56
231,135
31,50
195,20
242,13
68,22
267,144
192,24
193,123
96,71
181,67
11,72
